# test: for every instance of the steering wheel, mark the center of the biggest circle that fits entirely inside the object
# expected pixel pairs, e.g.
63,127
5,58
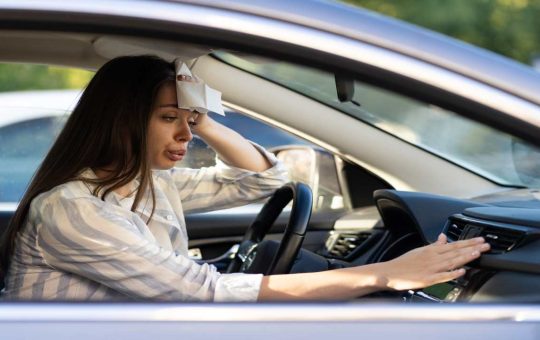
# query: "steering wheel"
253,253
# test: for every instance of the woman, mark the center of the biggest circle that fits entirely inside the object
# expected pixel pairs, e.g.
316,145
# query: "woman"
103,217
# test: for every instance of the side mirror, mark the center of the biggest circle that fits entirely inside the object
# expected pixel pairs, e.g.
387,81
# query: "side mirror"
320,170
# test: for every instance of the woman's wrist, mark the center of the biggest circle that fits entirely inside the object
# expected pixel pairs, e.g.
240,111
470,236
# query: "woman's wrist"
369,278
380,276
204,125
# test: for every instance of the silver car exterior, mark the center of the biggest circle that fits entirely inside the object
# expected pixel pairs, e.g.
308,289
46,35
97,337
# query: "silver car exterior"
337,33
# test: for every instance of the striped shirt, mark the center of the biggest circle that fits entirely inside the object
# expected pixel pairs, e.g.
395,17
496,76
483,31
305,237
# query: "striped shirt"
75,246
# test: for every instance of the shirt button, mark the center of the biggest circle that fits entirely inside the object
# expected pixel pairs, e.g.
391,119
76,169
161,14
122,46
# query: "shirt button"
169,217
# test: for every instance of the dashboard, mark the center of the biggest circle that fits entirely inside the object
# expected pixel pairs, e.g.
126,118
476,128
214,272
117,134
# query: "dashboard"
401,221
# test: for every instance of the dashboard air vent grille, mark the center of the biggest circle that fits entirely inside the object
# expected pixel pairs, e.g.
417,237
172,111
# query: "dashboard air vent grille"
501,239
342,244
455,230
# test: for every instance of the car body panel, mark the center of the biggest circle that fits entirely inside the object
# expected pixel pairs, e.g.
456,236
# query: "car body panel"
268,321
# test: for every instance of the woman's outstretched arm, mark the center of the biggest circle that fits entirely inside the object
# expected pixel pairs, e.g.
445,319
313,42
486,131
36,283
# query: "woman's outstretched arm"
420,267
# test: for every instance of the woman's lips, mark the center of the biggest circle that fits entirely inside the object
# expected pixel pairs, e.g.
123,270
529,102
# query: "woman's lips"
175,155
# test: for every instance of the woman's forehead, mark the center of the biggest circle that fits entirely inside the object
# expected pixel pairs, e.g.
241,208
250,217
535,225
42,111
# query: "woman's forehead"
166,95
166,98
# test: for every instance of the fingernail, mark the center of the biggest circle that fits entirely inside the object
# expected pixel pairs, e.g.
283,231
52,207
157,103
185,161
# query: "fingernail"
475,253
485,246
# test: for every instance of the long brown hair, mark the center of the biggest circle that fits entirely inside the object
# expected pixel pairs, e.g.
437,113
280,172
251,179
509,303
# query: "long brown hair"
107,129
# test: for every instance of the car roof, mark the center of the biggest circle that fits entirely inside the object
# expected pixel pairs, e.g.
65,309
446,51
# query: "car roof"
360,24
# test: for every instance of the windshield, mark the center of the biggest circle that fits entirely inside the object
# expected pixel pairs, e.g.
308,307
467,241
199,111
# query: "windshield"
488,152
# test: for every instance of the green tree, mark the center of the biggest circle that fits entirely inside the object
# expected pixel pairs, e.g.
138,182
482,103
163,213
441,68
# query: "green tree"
18,77
508,27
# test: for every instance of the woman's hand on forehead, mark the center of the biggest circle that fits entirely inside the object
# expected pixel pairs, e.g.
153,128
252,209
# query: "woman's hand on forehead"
197,120
183,77
193,117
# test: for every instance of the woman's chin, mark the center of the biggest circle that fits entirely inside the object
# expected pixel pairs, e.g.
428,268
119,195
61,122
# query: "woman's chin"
163,165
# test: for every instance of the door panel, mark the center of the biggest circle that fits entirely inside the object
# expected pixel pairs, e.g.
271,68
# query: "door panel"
215,233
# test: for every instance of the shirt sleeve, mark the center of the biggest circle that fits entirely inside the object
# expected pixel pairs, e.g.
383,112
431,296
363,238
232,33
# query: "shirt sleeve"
225,186
95,240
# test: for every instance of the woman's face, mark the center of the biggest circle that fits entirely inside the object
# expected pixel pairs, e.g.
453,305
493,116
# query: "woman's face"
169,130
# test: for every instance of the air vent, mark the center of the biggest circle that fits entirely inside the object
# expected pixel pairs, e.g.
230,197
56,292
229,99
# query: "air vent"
454,231
500,239
339,245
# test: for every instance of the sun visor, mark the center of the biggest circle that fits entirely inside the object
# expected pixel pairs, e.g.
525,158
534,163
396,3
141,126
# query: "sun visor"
111,47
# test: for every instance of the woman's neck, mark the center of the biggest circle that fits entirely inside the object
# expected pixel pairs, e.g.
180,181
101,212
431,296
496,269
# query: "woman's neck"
124,191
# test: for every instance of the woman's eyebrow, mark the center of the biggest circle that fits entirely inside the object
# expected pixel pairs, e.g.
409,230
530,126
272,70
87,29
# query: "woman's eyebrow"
169,105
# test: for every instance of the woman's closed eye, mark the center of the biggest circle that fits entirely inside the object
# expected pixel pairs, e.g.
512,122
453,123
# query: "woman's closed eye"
169,117
173,118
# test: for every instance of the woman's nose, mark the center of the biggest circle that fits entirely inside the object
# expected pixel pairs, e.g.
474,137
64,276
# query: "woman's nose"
183,133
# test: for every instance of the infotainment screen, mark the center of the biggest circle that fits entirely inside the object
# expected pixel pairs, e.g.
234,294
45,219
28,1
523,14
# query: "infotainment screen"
440,291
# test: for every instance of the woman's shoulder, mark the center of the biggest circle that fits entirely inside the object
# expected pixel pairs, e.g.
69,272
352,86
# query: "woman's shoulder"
68,191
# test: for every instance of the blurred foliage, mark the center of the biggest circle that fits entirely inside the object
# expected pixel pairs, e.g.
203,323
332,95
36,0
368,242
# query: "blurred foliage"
508,27
18,77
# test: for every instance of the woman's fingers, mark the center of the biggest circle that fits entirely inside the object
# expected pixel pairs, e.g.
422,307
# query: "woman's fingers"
442,239
458,259
453,253
183,77
448,247
456,254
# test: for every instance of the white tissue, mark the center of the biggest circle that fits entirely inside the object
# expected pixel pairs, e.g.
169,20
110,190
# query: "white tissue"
196,95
